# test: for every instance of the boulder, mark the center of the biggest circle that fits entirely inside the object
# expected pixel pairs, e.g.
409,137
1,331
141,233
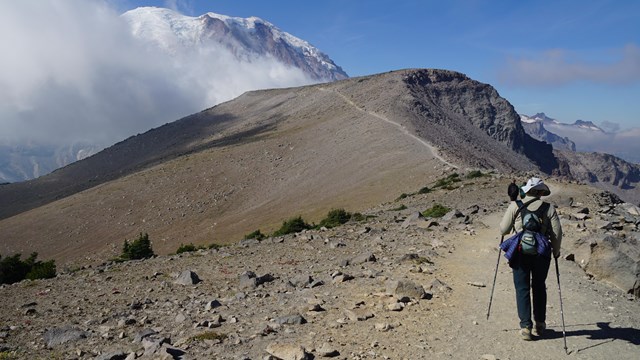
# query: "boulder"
405,288
58,336
616,260
187,277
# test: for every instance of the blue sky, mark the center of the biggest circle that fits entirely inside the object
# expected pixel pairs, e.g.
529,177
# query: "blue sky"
570,59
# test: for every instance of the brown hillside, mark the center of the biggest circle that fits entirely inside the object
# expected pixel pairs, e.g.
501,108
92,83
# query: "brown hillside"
264,157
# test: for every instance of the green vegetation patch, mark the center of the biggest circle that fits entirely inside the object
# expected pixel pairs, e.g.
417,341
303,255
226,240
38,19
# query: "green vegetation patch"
189,248
476,174
13,270
293,225
258,235
447,183
139,248
335,217
436,211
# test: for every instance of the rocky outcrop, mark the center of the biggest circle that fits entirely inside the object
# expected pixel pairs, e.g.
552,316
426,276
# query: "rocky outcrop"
454,101
603,170
610,247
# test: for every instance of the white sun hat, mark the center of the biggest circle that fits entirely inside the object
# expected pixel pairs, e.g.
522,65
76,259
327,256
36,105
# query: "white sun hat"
536,184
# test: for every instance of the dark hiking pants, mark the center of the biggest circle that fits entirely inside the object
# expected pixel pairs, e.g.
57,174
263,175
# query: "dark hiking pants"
529,275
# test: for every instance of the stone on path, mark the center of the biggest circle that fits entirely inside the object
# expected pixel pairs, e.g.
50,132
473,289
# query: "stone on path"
288,351
405,288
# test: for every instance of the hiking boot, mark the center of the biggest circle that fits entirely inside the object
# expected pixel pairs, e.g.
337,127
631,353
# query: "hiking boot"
525,334
540,328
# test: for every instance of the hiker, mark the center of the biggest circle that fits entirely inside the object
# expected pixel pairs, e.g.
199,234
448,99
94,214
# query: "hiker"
530,269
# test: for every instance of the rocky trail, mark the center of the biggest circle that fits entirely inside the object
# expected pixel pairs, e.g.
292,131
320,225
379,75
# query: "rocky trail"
392,287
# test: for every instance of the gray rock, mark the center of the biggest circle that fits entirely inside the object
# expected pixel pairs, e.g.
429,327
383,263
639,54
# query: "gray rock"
359,314
187,277
143,334
288,351
405,288
58,336
115,355
248,280
412,219
301,280
363,258
295,319
212,305
327,350
616,260
439,286
453,214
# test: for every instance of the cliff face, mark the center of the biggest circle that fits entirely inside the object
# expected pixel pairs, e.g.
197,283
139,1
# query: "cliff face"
444,97
603,170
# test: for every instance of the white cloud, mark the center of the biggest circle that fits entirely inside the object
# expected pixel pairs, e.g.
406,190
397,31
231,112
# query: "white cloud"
70,71
560,67
624,144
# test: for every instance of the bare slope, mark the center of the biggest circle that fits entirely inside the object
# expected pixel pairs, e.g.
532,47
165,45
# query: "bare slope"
252,162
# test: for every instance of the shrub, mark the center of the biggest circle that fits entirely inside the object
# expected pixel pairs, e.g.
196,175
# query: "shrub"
12,269
424,190
436,211
446,182
137,249
358,217
208,335
188,248
292,225
402,196
335,217
258,235
475,174
42,270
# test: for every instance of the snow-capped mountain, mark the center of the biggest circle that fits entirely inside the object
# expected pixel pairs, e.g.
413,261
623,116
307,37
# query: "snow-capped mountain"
553,123
161,65
246,38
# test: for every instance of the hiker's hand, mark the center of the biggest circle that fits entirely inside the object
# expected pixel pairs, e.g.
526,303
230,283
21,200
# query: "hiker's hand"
556,255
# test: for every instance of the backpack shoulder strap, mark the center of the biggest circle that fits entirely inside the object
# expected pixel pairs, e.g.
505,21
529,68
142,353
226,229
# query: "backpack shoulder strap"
521,206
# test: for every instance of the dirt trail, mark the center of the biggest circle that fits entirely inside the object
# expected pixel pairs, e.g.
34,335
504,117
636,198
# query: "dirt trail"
404,130
596,329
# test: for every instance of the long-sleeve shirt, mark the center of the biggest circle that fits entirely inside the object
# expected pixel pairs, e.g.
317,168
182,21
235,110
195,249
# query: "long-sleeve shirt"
551,227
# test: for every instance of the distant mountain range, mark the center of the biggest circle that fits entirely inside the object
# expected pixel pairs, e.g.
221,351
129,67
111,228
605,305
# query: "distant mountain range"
251,41
583,136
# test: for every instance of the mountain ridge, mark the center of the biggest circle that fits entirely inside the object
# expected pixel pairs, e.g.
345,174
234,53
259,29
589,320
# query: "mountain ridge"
258,159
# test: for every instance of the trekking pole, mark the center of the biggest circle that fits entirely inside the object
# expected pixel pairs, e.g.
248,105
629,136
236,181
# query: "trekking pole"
494,277
564,334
